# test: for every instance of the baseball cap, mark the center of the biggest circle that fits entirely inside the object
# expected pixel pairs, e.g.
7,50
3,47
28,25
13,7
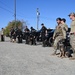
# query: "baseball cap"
58,19
42,24
31,27
63,19
72,14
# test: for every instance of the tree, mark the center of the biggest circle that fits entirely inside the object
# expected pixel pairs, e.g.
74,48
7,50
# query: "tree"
18,24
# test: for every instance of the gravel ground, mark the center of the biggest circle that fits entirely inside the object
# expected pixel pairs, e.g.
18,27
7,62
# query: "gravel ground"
21,59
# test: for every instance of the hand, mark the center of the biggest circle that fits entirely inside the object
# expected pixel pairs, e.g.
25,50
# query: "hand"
53,38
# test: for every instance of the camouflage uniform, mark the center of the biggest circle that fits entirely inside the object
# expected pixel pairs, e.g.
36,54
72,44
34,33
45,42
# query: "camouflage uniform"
72,37
59,34
64,29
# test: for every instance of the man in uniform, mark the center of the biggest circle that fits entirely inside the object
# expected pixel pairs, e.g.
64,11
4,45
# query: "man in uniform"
33,36
43,31
60,33
2,34
27,34
11,34
72,33
64,27
19,35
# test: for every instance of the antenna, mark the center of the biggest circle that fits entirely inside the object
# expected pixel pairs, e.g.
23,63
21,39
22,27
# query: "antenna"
38,14
15,12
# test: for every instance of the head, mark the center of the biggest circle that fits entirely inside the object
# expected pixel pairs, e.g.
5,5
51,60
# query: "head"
72,16
26,27
58,20
42,24
31,28
2,28
12,28
63,20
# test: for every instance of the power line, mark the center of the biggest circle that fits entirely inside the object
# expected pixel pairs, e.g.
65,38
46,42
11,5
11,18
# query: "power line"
5,5
10,8
6,9
21,14
15,11
18,14
46,18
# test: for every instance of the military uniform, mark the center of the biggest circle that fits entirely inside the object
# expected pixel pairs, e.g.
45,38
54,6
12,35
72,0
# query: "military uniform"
64,29
59,34
72,36
2,34
46,43
43,30
19,35
33,36
13,35
27,35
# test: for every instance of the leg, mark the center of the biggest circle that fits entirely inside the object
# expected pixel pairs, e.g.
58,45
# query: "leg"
56,43
72,42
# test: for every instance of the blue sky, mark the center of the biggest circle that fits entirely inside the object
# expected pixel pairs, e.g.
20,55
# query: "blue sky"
26,10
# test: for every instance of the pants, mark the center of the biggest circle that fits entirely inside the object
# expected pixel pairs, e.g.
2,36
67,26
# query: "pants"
56,42
2,37
27,39
72,42
43,39
19,39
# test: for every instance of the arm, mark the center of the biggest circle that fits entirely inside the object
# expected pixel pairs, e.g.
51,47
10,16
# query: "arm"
64,30
54,34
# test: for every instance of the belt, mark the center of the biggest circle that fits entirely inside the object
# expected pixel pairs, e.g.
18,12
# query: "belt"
71,33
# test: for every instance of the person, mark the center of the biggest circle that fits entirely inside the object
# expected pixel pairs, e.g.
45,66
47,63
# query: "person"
33,36
64,27
32,30
19,35
46,39
72,33
59,34
11,34
27,34
2,34
43,31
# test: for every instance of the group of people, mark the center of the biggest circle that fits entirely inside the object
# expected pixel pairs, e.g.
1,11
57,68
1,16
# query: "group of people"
20,35
30,35
15,34
60,33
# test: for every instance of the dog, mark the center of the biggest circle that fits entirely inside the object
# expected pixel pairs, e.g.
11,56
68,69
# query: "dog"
61,48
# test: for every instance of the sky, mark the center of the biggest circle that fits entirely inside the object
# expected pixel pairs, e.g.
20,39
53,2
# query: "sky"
26,10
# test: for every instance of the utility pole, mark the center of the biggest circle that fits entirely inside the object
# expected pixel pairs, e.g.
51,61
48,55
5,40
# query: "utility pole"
15,12
38,14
